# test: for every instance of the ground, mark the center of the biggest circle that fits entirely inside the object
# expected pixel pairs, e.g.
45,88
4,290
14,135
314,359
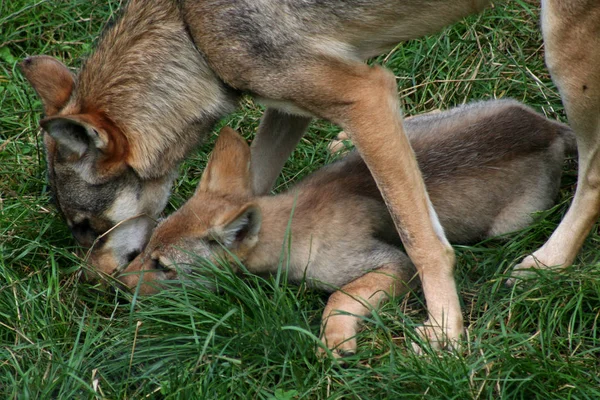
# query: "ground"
64,338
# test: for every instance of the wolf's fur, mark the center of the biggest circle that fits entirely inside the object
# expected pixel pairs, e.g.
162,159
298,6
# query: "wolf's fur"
487,167
166,70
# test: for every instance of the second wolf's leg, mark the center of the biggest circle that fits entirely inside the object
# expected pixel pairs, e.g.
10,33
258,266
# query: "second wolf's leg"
345,307
572,41
363,100
276,138
338,145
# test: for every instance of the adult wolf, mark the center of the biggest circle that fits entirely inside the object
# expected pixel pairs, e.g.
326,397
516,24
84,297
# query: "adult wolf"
166,70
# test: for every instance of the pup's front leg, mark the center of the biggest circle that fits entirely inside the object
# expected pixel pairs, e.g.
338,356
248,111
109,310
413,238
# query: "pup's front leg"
346,307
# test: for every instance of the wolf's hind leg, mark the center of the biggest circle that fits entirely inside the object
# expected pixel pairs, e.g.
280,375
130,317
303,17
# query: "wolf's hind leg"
573,58
276,138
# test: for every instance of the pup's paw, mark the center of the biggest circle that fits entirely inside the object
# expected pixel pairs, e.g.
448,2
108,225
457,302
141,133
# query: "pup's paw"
341,342
437,337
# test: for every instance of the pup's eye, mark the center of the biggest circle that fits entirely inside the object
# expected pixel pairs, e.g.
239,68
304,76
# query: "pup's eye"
212,241
158,266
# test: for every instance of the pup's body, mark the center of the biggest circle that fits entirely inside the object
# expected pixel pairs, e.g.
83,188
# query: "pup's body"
167,70
487,166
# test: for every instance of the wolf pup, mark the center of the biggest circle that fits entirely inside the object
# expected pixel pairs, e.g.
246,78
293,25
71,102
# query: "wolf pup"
488,166
166,70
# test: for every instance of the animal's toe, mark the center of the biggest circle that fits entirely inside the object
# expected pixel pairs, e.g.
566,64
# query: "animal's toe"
523,270
437,338
343,136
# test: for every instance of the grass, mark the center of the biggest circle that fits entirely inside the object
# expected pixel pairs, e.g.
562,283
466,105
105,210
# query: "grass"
63,338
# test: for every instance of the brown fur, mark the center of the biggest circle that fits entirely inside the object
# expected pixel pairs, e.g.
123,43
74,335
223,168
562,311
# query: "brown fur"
478,161
166,71
52,82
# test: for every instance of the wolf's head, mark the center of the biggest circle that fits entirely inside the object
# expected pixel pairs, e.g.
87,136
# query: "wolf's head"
116,132
218,221
109,208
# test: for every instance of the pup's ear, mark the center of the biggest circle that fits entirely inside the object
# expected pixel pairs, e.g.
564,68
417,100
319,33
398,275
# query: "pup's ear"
51,79
241,226
228,168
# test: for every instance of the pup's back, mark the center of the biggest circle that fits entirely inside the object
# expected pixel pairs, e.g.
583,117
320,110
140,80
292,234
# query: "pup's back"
487,166
490,165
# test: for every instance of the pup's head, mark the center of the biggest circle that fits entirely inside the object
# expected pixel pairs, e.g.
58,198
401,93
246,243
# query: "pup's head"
109,208
218,221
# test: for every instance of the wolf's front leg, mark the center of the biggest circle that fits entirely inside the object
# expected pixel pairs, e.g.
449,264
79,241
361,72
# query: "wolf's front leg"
276,138
346,307
363,100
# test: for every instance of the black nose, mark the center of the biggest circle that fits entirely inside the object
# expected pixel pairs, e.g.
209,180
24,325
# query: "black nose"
131,256
85,234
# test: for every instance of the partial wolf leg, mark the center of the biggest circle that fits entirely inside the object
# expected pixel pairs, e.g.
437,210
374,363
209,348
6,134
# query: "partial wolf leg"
345,307
276,138
572,40
338,144
363,100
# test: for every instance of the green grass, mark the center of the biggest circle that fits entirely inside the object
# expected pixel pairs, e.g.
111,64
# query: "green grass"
63,338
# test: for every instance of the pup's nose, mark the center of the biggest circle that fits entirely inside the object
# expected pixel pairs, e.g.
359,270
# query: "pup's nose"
119,290
125,281
117,285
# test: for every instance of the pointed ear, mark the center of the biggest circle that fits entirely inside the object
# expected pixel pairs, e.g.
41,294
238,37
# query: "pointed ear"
241,226
93,141
74,136
228,168
51,79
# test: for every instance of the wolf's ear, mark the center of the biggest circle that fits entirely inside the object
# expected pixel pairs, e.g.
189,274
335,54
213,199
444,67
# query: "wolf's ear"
228,168
90,139
51,79
241,226
74,136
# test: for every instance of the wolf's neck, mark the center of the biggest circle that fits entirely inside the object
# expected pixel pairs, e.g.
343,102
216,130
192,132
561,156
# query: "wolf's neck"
148,77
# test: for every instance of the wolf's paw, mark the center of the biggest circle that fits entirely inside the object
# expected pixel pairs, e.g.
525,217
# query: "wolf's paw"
522,270
340,144
437,337
526,268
